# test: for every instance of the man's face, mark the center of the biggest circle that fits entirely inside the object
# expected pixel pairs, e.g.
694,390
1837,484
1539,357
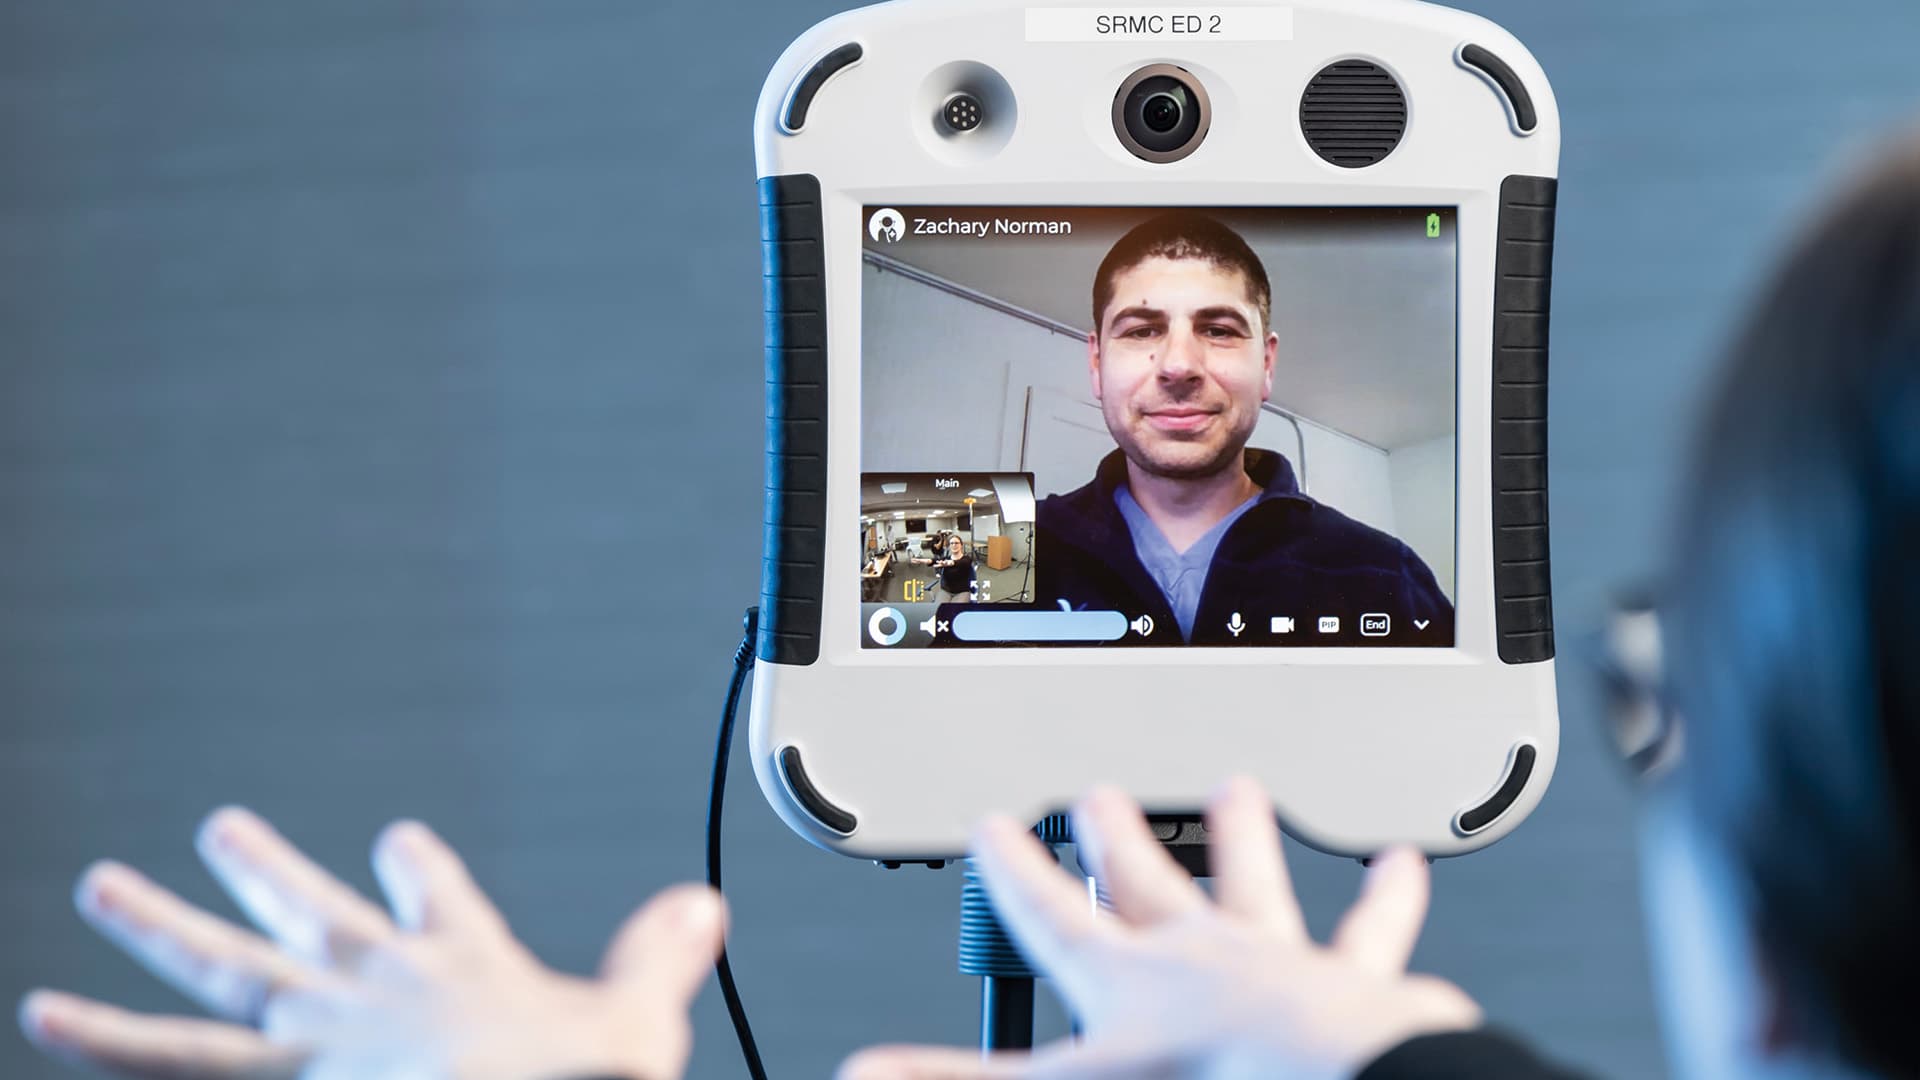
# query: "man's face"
1180,365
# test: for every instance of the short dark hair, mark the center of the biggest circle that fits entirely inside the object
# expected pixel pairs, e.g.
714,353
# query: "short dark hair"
1182,234
1795,622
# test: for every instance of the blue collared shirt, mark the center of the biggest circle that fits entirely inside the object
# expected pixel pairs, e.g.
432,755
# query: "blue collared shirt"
1180,574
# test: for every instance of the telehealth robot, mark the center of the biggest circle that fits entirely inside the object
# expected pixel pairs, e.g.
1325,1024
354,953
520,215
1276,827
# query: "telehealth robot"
1155,394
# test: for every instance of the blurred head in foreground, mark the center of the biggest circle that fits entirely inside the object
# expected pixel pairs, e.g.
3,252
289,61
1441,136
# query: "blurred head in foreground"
1783,851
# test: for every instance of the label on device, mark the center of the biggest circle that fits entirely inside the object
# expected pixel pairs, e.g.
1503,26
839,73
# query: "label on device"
1160,24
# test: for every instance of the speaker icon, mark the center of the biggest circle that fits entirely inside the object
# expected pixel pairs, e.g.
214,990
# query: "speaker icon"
1143,625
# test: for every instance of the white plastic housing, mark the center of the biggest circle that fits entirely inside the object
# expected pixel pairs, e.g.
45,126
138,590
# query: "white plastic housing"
1359,747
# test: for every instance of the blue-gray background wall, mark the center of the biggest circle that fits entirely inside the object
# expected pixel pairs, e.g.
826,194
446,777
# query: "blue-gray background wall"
380,400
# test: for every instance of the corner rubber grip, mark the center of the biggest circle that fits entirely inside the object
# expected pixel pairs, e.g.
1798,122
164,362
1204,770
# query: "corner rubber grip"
1519,771
1508,83
1522,299
793,274
809,797
816,77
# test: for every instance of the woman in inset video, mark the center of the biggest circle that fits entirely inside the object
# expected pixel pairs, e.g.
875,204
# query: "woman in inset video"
956,572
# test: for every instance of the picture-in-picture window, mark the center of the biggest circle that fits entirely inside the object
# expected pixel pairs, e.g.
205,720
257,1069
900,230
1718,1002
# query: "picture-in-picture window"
931,542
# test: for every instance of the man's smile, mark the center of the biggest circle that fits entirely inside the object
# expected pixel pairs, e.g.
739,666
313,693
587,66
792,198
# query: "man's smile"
1180,417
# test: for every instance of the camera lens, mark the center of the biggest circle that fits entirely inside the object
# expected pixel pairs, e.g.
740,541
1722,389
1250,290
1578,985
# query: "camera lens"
1161,113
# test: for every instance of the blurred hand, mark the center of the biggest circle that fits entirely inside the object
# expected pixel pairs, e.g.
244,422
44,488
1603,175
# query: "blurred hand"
1177,985
438,989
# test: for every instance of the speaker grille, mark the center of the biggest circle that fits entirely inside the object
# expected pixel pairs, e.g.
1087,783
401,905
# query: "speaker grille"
1353,113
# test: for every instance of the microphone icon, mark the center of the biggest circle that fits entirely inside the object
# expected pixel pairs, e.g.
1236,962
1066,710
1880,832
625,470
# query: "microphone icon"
1236,624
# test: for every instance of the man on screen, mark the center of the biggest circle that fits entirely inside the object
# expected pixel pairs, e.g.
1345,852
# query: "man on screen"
1183,521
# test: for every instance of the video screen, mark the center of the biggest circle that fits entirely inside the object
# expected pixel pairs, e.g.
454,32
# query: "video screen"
1236,426
936,544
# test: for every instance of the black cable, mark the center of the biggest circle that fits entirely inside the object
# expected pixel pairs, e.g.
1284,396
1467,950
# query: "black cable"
716,798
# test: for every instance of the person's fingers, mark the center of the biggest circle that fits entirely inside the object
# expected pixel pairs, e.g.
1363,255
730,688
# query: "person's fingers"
1249,869
311,1019
429,887
1380,929
1046,910
94,1034
667,948
305,908
1444,1006
1117,846
231,972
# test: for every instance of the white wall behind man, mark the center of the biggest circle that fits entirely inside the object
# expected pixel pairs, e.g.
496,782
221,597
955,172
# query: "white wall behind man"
1348,475
934,382
1422,477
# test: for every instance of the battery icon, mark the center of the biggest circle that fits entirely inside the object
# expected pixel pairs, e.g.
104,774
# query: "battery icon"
1433,225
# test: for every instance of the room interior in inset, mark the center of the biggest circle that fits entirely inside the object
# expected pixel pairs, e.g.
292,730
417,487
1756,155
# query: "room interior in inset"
908,517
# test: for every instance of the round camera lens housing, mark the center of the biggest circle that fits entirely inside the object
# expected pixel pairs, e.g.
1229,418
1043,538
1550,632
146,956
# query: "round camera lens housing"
1161,113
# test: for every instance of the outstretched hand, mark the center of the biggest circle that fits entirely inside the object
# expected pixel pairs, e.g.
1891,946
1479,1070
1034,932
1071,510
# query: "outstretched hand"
340,988
1174,984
